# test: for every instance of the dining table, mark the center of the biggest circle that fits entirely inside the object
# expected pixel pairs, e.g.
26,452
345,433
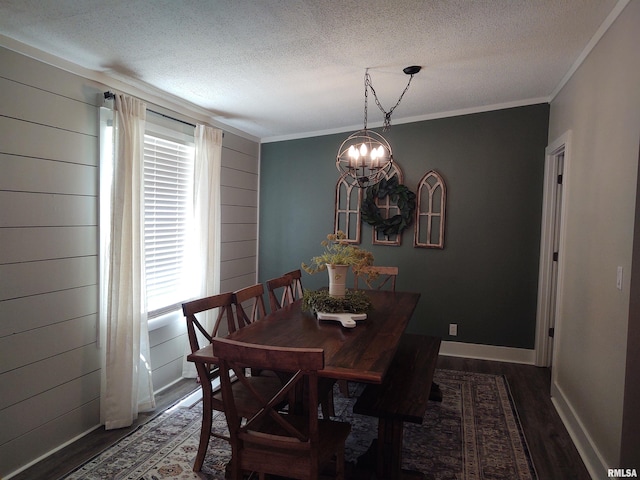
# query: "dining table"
363,353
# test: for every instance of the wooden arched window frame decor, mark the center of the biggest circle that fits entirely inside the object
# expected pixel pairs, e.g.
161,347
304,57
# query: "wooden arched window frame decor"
430,211
347,214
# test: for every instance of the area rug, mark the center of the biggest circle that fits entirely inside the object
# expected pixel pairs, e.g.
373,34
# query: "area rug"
473,434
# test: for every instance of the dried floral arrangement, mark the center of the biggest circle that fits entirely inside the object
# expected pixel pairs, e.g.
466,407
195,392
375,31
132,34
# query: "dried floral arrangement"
337,251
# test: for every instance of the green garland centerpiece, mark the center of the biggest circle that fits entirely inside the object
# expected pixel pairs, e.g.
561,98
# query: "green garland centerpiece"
404,199
354,301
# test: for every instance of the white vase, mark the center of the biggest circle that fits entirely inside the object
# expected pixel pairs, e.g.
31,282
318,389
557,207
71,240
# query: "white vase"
337,279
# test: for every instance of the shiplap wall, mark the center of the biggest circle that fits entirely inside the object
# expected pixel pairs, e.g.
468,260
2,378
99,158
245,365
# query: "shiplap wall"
239,198
49,359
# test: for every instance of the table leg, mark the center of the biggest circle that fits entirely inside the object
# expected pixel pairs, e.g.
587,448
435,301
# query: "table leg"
389,458
389,451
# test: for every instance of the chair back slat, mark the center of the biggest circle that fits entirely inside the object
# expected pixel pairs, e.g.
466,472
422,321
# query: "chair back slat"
204,306
252,296
285,359
277,301
296,283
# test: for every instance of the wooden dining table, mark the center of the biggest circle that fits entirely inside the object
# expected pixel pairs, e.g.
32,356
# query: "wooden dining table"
362,353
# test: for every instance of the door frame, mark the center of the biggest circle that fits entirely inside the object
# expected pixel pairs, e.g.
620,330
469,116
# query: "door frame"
544,350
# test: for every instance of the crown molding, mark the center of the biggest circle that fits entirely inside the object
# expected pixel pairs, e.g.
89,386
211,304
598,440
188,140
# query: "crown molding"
617,10
139,89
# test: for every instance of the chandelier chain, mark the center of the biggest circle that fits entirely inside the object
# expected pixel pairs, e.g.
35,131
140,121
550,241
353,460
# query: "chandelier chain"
366,157
366,95
387,115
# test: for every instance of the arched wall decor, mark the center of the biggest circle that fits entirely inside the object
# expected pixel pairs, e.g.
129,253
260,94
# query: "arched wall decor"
347,213
430,211
388,209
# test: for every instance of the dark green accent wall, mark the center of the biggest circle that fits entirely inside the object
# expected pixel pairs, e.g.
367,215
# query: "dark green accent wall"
486,277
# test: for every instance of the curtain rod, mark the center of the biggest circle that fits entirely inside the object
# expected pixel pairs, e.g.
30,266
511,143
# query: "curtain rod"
110,95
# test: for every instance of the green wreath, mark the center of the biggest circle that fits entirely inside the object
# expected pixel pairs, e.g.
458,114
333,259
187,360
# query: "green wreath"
404,198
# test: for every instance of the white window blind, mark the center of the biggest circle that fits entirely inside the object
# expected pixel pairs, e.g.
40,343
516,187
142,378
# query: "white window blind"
168,173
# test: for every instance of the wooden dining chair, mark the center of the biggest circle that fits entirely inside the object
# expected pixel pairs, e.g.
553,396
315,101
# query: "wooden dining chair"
252,298
376,278
294,444
326,384
255,292
200,336
249,299
296,283
278,300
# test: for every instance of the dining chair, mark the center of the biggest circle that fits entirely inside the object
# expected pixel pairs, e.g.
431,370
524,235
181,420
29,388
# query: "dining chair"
252,298
383,278
198,332
286,282
253,295
294,444
285,298
296,283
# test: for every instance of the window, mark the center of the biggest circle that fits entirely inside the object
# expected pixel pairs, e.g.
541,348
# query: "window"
168,173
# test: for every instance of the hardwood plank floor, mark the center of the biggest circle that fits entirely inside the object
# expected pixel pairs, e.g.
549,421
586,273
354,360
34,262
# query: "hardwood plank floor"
553,452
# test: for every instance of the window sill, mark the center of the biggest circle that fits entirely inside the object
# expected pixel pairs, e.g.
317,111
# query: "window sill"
163,320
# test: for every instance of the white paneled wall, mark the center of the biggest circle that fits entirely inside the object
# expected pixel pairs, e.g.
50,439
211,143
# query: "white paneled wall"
239,197
49,358
49,362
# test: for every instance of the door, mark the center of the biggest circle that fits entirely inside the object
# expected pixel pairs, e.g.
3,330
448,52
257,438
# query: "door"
558,161
550,251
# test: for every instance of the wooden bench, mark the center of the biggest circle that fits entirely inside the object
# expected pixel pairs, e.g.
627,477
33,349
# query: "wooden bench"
402,397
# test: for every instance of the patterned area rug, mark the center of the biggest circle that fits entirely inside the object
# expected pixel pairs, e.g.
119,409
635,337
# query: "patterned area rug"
474,434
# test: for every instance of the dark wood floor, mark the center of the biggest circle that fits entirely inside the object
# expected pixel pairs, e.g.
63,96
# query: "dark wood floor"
553,453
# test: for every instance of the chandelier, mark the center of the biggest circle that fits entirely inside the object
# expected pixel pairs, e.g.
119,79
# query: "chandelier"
365,157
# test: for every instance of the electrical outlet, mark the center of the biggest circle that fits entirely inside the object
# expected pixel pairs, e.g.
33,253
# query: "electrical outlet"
453,329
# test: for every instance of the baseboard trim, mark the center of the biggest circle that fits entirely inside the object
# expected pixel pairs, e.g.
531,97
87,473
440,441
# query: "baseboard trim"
49,453
591,457
169,385
488,352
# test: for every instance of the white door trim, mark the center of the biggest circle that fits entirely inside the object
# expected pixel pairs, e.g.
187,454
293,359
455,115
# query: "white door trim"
543,344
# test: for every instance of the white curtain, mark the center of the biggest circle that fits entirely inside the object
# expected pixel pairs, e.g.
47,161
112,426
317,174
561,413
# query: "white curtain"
206,266
127,386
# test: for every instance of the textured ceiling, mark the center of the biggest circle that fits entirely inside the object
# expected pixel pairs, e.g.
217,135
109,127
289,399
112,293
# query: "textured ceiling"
285,68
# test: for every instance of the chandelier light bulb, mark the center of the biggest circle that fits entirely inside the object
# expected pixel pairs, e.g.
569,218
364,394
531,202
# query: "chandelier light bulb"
364,158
